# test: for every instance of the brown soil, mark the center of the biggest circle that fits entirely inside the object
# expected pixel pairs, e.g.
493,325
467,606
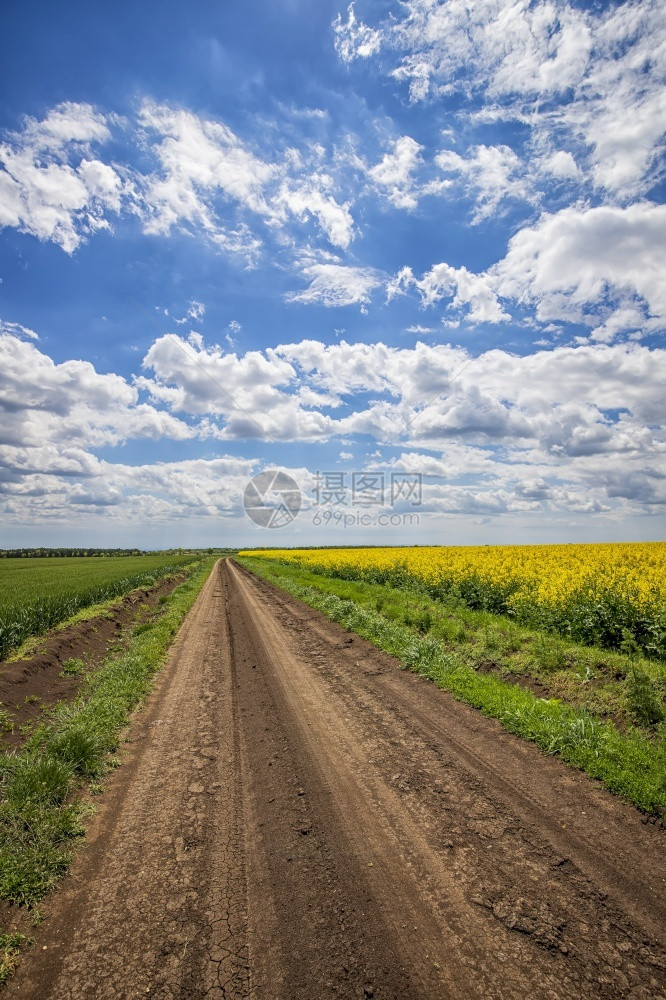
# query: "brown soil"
34,683
297,818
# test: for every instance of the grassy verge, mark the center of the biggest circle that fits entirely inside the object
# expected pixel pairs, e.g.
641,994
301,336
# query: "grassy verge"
41,812
597,710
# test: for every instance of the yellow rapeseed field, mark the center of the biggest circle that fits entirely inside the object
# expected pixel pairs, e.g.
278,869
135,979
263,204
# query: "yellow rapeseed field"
592,592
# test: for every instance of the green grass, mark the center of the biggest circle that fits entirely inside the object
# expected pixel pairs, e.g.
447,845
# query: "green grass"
575,701
41,813
9,950
73,668
36,594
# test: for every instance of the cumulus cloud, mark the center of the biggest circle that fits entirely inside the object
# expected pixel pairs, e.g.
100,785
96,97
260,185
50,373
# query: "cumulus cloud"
204,179
571,429
394,172
252,396
153,494
466,290
573,262
313,198
51,185
621,105
199,160
195,155
561,165
204,166
601,267
545,47
492,174
48,404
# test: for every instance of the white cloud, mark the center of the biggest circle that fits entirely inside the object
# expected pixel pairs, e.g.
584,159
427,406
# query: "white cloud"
17,330
601,267
54,405
588,80
491,173
580,428
205,180
233,329
200,160
207,173
561,165
195,155
463,287
621,110
505,48
570,263
622,320
337,285
196,310
67,123
49,185
150,494
248,396
394,172
312,197
550,410
353,39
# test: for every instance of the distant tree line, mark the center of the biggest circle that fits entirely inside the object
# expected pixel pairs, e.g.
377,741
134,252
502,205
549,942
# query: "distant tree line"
42,553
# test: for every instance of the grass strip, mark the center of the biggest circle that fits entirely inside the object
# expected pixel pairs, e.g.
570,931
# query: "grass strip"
41,811
630,764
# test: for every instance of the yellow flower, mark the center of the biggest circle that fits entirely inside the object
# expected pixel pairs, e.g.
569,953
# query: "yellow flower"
541,576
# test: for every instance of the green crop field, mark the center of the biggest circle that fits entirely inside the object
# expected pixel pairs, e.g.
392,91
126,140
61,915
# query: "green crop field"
36,594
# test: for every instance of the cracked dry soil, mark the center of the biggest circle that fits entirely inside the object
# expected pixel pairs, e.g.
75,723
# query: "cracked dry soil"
298,818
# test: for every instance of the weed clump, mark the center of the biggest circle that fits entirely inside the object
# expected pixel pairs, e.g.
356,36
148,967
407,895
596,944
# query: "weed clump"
642,701
9,949
73,668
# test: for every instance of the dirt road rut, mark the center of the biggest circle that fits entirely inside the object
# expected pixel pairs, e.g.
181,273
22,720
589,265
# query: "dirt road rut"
298,818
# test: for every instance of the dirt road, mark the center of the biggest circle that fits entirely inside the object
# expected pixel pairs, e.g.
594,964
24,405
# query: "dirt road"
298,818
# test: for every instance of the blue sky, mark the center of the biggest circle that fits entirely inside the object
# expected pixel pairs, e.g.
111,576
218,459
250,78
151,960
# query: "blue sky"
409,239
